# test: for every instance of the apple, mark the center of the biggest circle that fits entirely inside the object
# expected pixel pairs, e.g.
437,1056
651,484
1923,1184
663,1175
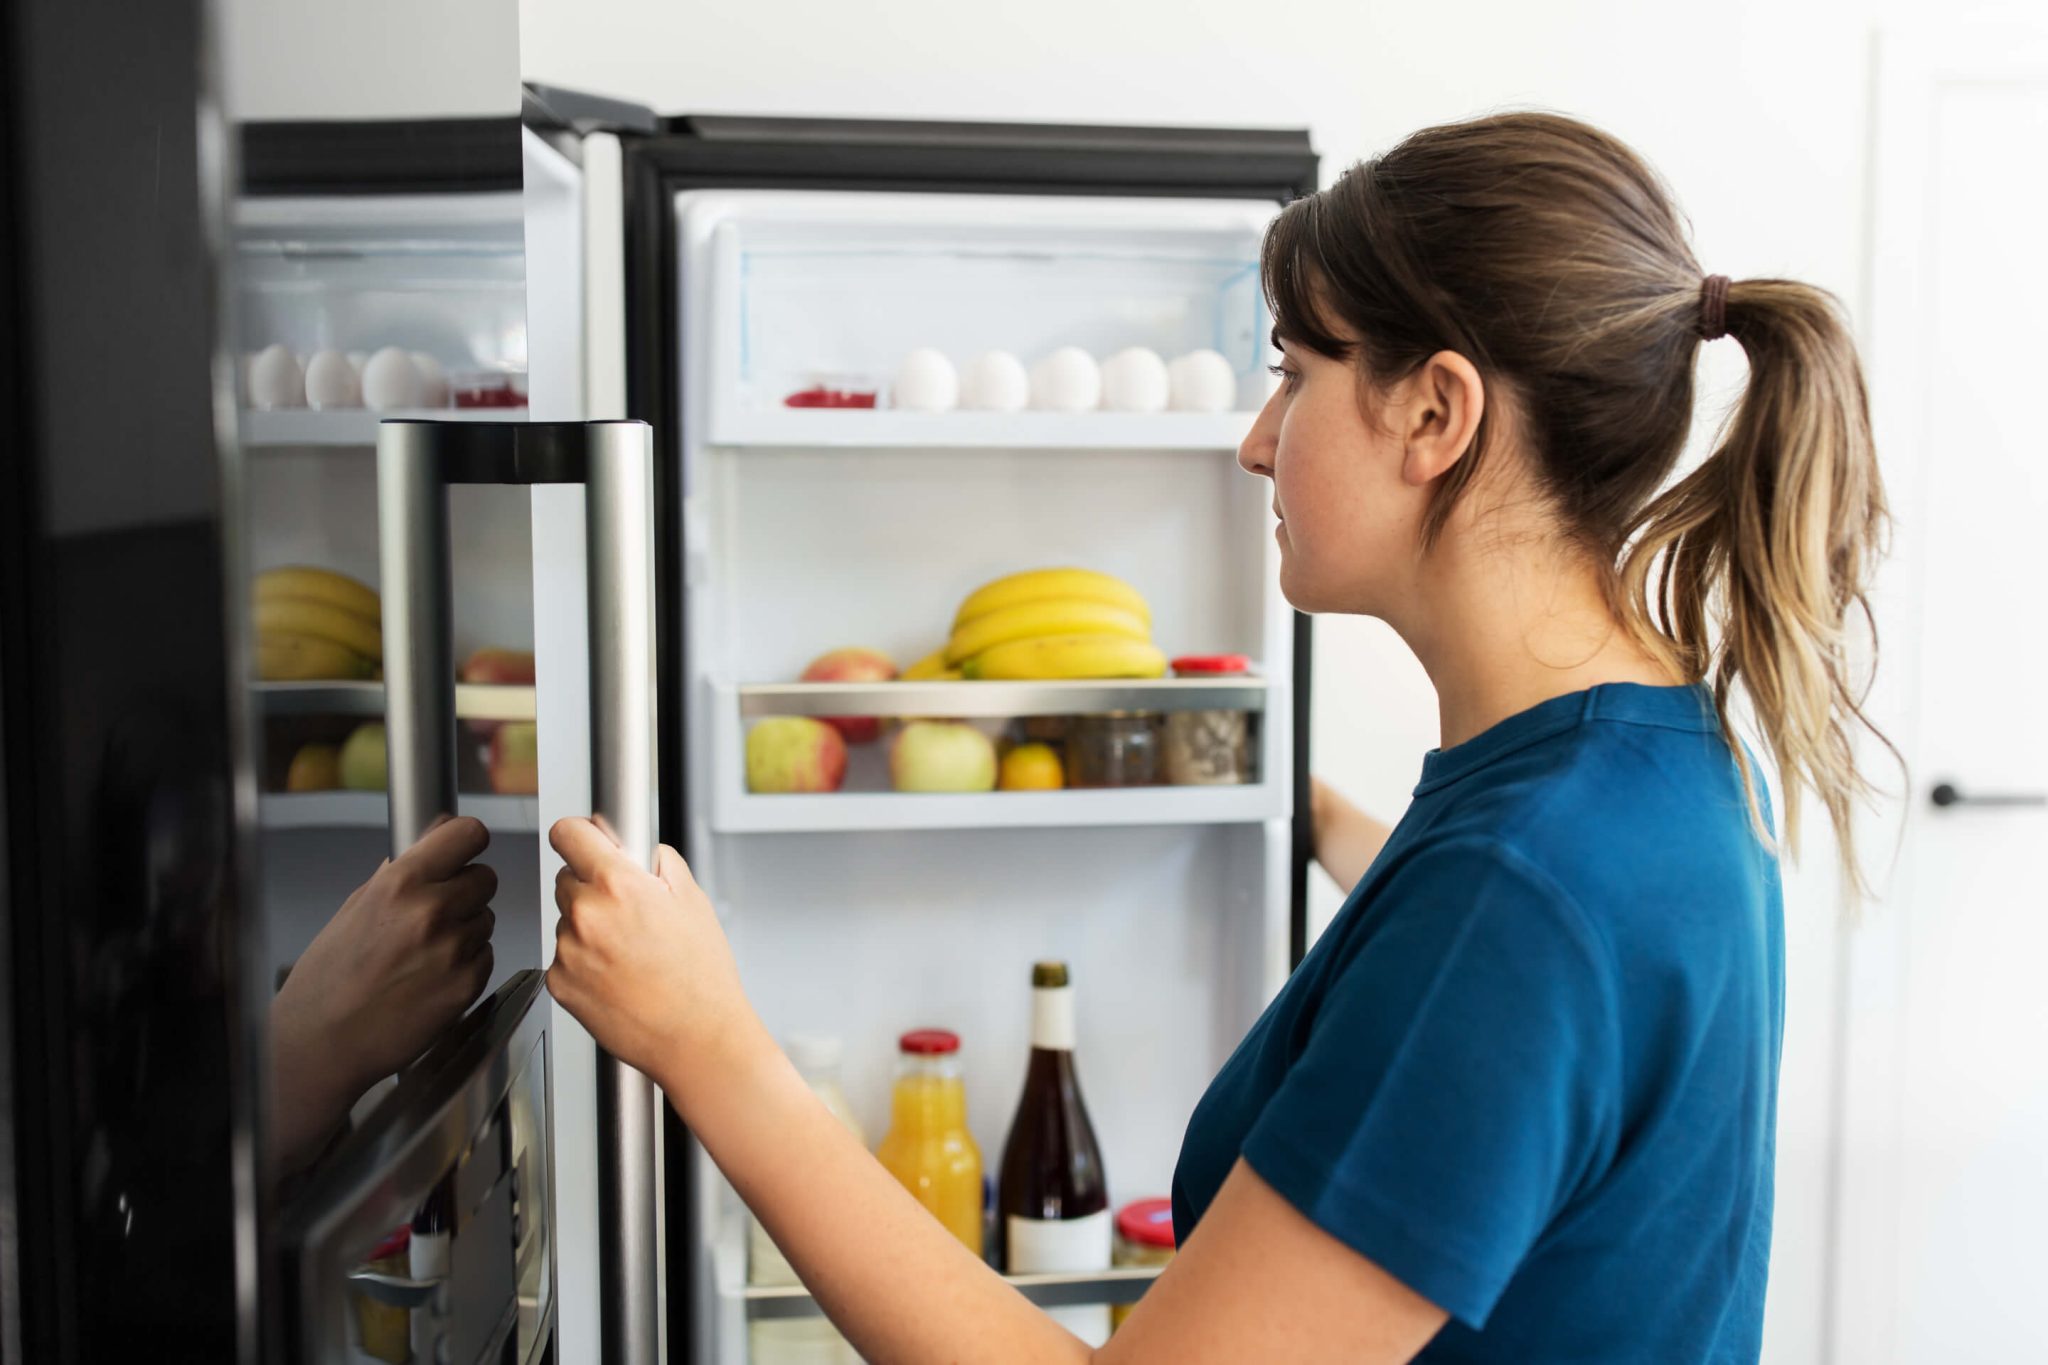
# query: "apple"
500,667
515,759
853,665
795,754
314,768
942,756
365,763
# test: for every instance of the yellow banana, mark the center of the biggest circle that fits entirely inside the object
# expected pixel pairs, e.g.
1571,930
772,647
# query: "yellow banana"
283,657
322,620
931,668
319,585
1068,656
1039,585
1028,620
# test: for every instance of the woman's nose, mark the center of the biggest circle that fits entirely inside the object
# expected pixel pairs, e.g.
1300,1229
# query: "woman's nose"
1255,455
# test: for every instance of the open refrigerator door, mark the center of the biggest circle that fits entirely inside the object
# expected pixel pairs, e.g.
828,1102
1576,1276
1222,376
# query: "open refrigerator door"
865,519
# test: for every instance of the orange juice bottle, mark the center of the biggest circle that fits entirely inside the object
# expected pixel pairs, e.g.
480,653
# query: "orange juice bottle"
928,1147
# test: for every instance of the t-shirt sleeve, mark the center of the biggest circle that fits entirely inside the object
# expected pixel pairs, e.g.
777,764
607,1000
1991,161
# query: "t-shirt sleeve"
1459,1079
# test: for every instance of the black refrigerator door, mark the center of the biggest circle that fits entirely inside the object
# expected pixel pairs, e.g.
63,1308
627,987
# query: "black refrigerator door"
129,1167
710,152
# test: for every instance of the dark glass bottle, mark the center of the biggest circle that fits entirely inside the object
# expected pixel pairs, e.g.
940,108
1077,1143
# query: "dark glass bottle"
1052,1196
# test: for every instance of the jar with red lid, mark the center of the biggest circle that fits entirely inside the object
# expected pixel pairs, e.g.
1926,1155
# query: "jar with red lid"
1144,1237
1208,748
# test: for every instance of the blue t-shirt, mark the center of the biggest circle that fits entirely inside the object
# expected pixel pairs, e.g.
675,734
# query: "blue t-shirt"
1531,1068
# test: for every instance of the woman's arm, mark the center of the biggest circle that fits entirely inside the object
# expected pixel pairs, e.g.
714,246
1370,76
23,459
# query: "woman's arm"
1347,839
642,963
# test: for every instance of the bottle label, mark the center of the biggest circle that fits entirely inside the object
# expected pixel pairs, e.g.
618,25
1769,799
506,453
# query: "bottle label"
1039,1246
1052,1018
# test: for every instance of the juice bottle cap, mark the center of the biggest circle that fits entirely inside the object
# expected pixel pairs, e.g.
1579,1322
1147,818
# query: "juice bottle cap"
929,1042
1048,975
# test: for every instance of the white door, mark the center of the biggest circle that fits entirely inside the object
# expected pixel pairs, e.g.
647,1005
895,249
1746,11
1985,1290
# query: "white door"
1942,1224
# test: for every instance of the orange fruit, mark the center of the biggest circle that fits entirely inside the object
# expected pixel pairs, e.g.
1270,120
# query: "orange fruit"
1031,768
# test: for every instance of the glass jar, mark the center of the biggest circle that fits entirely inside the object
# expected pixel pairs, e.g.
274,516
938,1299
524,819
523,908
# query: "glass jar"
1144,1237
1208,748
1114,749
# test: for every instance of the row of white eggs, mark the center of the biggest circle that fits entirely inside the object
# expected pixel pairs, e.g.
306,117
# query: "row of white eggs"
383,381
1068,380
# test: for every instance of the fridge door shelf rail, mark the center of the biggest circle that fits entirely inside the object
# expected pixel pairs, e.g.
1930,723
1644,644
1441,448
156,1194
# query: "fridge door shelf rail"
273,431
997,700
372,810
867,429
473,701
1123,1285
842,812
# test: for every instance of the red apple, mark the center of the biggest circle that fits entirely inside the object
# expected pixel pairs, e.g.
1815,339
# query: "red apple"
853,665
515,759
794,754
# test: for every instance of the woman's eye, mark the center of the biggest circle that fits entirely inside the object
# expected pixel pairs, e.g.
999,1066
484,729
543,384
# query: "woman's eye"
1289,377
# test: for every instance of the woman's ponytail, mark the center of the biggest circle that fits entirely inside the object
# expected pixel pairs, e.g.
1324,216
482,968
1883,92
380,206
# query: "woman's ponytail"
1551,255
1754,569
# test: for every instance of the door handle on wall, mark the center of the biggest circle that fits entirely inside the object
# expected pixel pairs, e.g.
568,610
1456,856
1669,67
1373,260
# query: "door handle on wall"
1946,794
416,462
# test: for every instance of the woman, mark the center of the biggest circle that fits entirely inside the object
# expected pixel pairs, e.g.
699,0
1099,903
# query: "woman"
1518,1103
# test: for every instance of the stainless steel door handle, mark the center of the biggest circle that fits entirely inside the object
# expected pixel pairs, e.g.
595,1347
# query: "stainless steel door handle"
1946,794
416,461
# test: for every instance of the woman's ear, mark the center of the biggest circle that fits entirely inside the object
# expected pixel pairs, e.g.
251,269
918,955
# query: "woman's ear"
1439,416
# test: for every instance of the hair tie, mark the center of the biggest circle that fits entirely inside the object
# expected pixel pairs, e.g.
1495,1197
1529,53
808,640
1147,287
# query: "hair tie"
1713,307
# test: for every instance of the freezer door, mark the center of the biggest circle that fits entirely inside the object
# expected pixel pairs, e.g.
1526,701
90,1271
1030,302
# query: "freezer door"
416,462
430,1232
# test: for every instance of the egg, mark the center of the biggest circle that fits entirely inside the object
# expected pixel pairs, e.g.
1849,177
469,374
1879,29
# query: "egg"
390,381
275,379
1201,381
926,382
331,382
1134,380
433,380
1068,380
995,382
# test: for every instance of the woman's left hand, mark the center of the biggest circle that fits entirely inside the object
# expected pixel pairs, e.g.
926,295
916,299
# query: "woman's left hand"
640,959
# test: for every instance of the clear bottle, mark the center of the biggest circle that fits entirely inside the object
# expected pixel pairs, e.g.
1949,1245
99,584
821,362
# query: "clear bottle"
1053,1195
800,1341
928,1147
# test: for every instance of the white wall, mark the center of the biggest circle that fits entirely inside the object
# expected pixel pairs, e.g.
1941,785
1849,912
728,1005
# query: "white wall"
1756,111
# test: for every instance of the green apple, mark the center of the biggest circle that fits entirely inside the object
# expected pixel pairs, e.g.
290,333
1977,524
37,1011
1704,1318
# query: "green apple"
942,756
364,761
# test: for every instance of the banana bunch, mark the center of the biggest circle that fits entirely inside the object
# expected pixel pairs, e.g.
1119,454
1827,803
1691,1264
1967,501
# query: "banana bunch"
316,624
1049,623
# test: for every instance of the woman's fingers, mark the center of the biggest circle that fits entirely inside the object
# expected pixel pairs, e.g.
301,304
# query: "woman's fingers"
470,889
584,847
444,849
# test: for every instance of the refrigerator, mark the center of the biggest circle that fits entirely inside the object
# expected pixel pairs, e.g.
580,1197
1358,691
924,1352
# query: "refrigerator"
761,260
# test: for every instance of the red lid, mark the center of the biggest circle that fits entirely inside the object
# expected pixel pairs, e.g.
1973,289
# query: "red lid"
392,1245
1212,663
1146,1222
929,1042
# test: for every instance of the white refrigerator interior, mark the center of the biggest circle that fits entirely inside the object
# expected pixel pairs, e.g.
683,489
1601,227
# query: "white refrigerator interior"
862,913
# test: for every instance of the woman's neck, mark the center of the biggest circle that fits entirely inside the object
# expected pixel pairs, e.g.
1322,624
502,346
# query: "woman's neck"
1502,627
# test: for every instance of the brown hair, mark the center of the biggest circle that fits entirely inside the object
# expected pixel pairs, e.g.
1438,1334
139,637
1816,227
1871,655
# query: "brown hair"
1549,255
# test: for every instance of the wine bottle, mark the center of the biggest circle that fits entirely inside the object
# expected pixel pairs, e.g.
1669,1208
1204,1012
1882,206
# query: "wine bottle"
1052,1195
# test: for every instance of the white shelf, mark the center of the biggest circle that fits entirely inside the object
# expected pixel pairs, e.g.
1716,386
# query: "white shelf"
1065,697
747,813
372,810
881,429
282,429
473,701
1125,1284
